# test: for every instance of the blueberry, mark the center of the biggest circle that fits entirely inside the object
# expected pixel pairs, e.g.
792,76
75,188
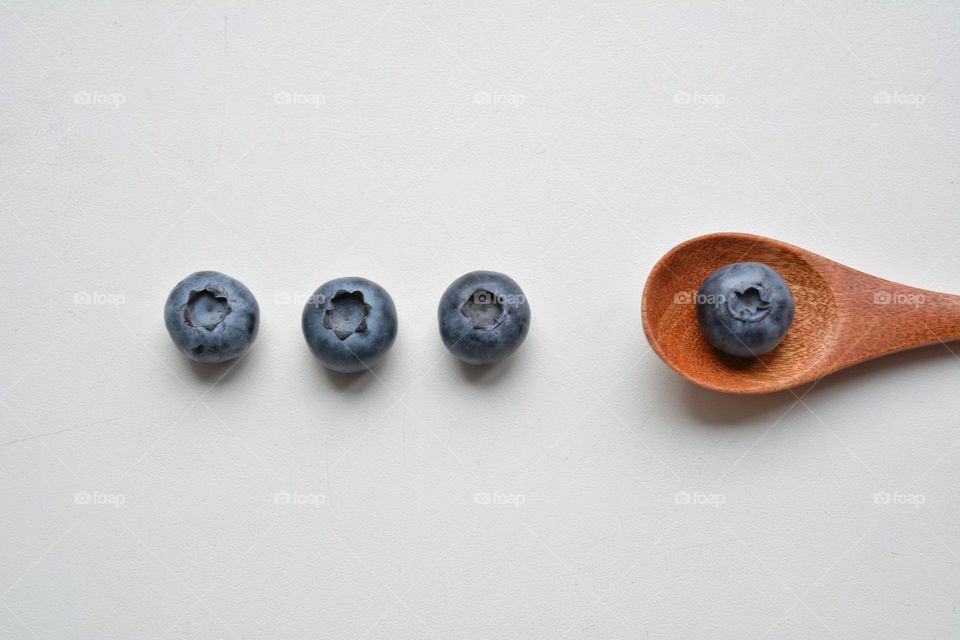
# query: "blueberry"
349,324
211,317
745,308
483,317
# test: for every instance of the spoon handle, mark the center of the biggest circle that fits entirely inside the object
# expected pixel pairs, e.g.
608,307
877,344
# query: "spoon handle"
884,317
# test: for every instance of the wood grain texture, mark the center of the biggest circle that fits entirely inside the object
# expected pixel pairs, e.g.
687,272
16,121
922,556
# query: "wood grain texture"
843,316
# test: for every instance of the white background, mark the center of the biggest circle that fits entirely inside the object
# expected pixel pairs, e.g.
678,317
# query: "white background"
142,141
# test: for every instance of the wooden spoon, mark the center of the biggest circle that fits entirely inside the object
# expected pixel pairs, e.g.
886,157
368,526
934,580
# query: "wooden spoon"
843,316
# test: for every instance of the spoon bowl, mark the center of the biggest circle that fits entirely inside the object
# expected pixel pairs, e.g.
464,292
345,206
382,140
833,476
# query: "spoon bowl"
843,316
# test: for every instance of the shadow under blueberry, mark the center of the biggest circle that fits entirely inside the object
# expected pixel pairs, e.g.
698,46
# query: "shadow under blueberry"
354,383
489,375
211,372
349,382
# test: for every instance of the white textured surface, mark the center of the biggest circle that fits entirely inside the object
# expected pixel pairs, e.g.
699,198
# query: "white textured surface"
580,176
